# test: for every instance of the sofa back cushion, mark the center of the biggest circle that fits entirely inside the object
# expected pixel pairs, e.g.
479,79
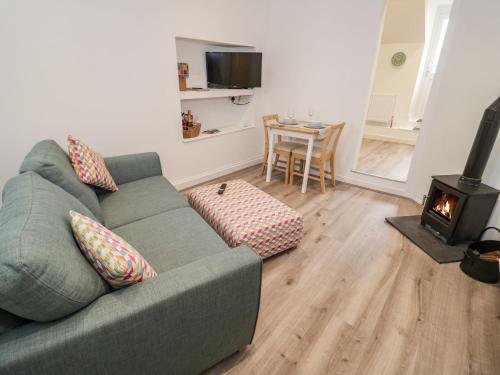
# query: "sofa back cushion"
43,274
50,161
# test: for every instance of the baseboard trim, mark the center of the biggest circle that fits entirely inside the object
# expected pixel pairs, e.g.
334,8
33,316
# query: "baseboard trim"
374,186
387,138
187,182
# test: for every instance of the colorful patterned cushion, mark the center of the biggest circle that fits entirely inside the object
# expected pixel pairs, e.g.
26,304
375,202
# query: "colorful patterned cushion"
89,165
113,258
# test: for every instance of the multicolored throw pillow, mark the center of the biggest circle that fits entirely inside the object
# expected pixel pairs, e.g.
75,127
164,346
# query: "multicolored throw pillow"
113,258
89,165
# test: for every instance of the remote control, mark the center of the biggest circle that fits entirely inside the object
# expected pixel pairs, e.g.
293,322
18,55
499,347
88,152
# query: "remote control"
222,189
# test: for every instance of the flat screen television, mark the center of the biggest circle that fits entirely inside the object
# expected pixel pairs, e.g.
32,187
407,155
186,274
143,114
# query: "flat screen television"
234,70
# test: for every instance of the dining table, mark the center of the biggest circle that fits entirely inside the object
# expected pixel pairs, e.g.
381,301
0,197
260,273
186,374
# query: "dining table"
301,131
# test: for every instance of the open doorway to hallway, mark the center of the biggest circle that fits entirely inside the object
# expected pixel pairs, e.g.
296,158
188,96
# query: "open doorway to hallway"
410,46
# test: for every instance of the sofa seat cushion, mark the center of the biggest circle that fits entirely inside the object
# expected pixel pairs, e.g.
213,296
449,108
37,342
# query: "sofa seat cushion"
139,199
172,239
43,274
50,161
10,321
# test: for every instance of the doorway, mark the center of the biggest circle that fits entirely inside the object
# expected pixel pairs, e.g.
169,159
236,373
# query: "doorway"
410,46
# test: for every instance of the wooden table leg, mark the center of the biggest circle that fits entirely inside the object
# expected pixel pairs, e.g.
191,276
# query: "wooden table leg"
270,156
310,145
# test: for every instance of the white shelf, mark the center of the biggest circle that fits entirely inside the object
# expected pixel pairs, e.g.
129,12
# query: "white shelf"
223,131
214,93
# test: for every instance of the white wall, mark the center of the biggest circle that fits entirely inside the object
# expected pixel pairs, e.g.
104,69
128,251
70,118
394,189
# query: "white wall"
106,71
404,21
467,81
398,80
322,57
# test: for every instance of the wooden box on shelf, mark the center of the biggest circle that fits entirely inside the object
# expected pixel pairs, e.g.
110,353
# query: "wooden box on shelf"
182,84
193,131
182,73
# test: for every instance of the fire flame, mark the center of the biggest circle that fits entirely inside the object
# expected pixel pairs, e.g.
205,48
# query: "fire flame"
445,205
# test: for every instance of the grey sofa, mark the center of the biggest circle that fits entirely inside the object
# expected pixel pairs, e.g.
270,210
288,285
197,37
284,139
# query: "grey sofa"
57,316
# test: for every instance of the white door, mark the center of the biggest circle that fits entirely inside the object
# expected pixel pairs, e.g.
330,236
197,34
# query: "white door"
423,89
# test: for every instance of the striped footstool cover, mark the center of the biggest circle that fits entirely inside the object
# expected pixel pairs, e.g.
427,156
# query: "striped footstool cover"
246,215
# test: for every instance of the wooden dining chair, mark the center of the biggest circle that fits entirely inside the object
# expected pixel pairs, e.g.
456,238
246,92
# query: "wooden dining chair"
321,155
282,149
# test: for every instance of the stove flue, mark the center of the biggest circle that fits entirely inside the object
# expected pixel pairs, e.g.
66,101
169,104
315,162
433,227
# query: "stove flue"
482,146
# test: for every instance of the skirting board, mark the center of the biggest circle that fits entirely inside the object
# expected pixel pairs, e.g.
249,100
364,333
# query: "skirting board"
380,187
386,138
214,173
222,171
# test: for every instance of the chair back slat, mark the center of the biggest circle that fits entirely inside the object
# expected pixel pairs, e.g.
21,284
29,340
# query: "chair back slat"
327,140
338,128
265,120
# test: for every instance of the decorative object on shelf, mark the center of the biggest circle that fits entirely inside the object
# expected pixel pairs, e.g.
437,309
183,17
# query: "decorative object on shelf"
398,59
190,128
182,73
193,131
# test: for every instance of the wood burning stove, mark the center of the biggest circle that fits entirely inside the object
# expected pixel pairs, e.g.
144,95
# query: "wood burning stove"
456,212
457,207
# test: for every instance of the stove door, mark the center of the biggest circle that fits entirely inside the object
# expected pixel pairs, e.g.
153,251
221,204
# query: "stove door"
443,208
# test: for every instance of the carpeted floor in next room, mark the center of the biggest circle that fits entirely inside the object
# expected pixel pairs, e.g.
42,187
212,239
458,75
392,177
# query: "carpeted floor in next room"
357,298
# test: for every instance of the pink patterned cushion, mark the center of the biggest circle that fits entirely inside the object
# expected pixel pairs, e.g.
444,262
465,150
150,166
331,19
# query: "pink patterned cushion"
246,215
89,165
114,259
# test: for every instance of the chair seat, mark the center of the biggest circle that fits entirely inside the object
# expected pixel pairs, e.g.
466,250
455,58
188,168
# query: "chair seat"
287,146
303,151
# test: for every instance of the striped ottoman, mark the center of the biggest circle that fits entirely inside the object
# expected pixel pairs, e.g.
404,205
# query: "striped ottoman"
246,215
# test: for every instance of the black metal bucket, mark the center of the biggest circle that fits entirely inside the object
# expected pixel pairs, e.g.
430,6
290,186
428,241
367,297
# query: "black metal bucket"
479,269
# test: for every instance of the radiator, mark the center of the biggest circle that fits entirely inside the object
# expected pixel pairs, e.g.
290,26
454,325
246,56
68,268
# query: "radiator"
381,108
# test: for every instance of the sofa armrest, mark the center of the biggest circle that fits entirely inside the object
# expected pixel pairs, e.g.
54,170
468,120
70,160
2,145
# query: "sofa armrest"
183,321
128,168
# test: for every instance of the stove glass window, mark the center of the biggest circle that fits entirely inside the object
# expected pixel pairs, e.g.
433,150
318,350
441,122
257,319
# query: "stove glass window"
444,204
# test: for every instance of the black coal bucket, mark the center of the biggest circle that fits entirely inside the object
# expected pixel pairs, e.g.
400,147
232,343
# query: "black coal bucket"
479,269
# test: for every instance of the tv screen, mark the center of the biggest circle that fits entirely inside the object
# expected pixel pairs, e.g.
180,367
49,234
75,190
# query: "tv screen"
234,70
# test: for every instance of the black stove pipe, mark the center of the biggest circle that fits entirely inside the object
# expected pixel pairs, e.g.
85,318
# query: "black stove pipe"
482,146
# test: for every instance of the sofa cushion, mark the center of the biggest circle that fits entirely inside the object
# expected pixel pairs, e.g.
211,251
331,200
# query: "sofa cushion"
139,199
89,165
44,275
50,161
10,321
172,239
112,257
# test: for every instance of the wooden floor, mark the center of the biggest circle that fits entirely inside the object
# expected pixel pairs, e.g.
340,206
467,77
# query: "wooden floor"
386,159
357,298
